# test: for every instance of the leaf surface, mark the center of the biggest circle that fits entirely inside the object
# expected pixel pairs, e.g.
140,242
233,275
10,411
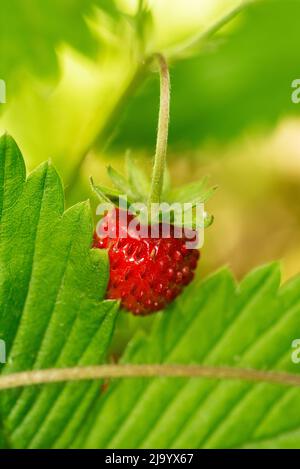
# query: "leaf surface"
52,312
215,322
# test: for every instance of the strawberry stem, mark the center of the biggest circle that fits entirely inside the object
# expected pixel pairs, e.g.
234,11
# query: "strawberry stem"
162,133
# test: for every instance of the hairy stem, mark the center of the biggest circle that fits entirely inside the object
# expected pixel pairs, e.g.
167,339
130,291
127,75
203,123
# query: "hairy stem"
162,132
55,375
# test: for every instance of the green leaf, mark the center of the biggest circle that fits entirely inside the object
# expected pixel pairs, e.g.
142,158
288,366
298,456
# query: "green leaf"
52,312
143,24
109,6
215,322
33,30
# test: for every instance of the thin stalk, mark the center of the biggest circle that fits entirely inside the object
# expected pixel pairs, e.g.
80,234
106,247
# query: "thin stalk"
55,375
162,132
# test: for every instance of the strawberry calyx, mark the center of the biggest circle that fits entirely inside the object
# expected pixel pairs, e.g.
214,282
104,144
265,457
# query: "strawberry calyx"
177,206
153,201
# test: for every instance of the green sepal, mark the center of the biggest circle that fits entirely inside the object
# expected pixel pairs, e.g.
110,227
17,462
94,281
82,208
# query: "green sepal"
110,196
98,190
121,183
136,189
195,192
138,180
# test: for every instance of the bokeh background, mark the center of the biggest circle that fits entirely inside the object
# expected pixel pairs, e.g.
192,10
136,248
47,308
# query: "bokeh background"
78,92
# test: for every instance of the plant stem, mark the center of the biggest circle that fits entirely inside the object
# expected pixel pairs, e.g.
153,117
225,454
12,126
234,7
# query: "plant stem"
55,375
162,132
174,53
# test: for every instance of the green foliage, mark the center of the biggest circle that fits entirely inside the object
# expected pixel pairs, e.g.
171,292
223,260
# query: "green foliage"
120,182
138,180
52,312
31,32
143,24
215,322
239,81
136,186
194,192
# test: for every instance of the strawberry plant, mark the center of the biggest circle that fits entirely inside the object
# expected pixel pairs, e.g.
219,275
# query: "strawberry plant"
149,267
53,316
217,366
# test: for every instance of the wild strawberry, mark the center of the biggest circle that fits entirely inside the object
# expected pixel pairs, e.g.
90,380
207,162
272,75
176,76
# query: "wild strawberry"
151,259
145,273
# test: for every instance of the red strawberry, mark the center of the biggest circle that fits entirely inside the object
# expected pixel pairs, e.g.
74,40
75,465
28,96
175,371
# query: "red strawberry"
145,273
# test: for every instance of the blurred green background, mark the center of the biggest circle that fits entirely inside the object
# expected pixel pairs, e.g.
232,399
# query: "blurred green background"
79,92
